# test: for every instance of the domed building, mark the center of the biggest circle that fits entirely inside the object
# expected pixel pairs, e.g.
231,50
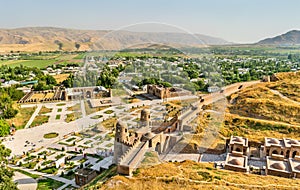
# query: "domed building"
238,144
236,161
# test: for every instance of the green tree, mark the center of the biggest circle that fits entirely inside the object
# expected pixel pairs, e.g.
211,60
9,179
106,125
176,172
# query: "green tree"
77,46
5,173
4,128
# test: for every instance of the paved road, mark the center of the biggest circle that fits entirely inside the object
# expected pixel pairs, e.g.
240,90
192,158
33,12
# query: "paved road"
24,182
36,112
55,177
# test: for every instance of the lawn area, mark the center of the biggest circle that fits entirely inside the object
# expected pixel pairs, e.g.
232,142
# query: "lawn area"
61,104
34,176
22,117
71,139
59,110
49,170
109,112
109,123
50,135
45,110
39,120
28,63
76,107
49,184
73,116
97,117
69,175
87,142
109,145
90,110
57,117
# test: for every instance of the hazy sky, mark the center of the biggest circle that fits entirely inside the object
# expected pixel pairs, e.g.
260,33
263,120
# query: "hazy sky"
233,20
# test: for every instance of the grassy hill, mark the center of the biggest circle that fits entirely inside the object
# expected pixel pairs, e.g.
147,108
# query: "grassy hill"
191,175
267,109
275,101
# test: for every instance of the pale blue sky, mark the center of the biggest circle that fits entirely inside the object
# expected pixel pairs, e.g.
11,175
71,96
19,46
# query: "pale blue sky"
233,20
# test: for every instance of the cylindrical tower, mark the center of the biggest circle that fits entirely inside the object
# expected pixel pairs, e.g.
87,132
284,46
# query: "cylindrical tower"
120,136
145,118
121,131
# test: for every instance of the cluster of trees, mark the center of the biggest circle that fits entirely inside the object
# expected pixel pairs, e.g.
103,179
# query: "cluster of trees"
6,173
7,96
18,73
149,80
107,78
45,82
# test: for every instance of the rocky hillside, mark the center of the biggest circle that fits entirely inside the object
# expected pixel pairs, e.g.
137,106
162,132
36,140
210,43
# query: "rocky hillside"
48,38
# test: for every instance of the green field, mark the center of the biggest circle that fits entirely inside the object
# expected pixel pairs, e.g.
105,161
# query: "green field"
28,63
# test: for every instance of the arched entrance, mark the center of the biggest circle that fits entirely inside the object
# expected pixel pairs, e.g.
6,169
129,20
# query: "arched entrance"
294,154
88,94
287,154
158,148
274,152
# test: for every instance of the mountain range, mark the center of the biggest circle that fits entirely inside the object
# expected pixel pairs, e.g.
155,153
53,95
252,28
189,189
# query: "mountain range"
290,38
48,38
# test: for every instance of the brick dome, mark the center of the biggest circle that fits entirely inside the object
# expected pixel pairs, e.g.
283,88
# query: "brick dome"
236,162
278,166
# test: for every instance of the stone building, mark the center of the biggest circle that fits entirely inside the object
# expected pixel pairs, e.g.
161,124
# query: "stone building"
166,92
276,165
145,118
84,176
238,144
282,157
92,92
289,148
122,143
236,161
129,148
295,166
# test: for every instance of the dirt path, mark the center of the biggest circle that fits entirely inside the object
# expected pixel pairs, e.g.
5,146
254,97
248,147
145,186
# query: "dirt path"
284,97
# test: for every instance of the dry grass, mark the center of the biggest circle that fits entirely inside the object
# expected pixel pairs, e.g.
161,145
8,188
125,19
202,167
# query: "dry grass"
76,107
49,95
73,116
61,77
22,117
259,102
37,96
45,110
151,158
192,175
274,101
39,120
89,110
256,112
257,129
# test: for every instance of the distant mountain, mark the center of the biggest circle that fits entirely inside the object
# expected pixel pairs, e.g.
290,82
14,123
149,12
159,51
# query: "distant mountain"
48,38
289,38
